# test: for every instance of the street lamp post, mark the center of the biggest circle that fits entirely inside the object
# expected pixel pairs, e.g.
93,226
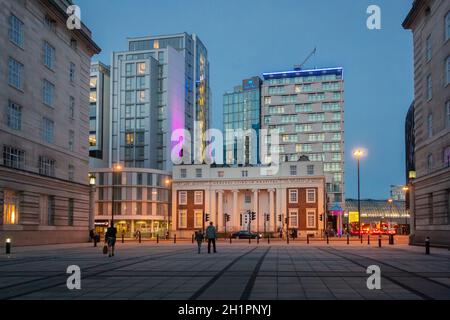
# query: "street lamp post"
358,154
168,181
391,201
91,203
116,168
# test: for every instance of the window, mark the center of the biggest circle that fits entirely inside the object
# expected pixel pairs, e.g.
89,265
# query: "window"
310,218
268,100
293,218
293,196
220,174
331,106
430,162
316,117
70,212
447,113
140,96
16,33
15,73
47,130
46,166
198,173
331,147
50,23
13,157
310,195
141,68
71,107
71,171
303,147
247,198
303,108
71,140
72,72
303,128
244,173
316,137
140,82
293,170
198,197
93,82
446,156
92,140
310,169
447,26
51,210
430,125
428,50
182,219
198,219
48,92
49,55
447,70
129,69
73,44
14,116
182,197
429,87
331,126
11,207
183,173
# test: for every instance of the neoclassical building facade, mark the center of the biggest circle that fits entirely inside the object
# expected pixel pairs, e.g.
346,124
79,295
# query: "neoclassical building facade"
293,198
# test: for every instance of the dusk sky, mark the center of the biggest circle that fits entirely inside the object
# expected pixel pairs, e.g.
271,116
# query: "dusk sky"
248,37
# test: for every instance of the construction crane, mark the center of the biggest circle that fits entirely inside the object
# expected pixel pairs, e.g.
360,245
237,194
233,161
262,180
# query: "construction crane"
300,66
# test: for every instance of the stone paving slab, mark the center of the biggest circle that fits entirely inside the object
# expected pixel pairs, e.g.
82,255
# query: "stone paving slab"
267,272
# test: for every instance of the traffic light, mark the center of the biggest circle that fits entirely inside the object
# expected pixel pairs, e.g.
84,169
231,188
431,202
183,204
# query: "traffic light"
240,219
279,217
321,217
267,217
286,220
253,216
227,217
207,217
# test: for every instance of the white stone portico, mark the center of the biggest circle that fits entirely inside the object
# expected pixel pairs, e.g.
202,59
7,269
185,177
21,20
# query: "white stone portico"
237,190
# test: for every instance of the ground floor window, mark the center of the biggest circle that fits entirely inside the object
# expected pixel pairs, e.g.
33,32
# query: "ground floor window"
198,219
310,218
182,218
10,207
293,219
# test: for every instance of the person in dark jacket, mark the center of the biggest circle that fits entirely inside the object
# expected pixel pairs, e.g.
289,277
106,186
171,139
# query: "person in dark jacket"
199,238
211,236
110,239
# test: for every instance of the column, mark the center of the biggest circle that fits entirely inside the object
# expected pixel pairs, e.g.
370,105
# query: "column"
255,224
174,211
220,213
279,210
236,220
92,195
212,208
273,218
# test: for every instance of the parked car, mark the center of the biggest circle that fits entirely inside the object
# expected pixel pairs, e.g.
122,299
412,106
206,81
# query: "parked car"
245,234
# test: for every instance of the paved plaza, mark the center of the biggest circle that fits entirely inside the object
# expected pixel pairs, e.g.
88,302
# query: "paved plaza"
238,271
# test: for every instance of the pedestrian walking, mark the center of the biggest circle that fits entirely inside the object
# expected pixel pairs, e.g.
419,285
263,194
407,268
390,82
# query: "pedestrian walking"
199,238
110,239
211,235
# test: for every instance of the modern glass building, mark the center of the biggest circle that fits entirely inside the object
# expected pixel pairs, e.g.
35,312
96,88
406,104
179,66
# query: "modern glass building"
241,110
99,115
307,107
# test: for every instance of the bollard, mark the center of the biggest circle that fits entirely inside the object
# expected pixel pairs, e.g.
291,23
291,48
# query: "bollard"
307,239
287,238
268,239
230,238
391,239
257,239
348,239
379,241
139,237
427,245
368,240
174,238
361,237
157,238
250,240
123,238
192,238
328,240
8,246
95,241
